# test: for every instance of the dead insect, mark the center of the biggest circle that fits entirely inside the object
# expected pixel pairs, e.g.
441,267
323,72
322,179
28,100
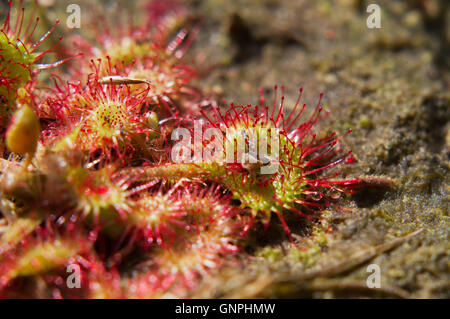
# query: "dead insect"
117,79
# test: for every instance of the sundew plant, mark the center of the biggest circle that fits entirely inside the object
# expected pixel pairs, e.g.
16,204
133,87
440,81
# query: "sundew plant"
106,190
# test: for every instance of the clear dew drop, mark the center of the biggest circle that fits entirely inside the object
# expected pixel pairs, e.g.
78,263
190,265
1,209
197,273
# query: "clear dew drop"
316,196
61,220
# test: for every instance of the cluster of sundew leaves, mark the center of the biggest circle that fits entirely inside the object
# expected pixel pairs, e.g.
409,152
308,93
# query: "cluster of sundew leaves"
19,60
96,187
